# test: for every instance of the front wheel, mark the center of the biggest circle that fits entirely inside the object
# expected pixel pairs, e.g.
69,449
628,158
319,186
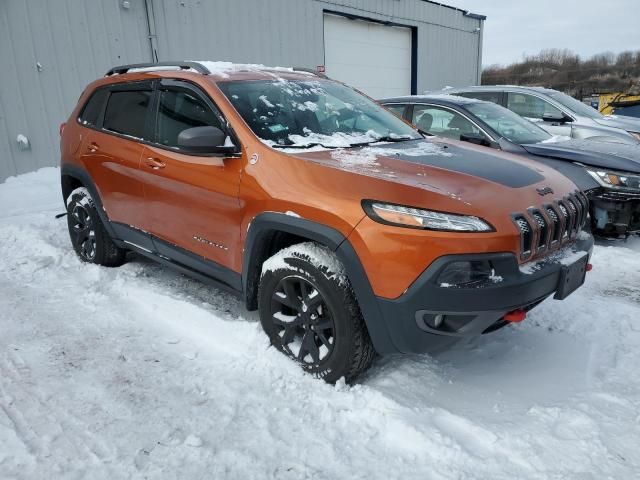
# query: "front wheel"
309,311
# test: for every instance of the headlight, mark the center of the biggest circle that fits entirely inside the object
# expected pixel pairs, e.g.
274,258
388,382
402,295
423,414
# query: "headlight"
615,180
410,217
635,134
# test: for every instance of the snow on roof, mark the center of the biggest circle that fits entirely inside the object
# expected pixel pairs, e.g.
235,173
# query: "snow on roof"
224,69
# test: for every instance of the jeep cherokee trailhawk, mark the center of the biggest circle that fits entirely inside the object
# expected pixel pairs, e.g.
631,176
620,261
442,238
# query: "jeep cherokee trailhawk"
348,230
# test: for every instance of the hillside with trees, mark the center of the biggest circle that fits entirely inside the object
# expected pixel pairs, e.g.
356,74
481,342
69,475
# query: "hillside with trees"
562,69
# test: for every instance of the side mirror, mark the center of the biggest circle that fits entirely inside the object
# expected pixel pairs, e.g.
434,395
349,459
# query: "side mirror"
476,139
556,118
204,140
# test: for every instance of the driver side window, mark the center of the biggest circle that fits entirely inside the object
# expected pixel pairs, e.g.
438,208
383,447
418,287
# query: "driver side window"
179,110
528,106
442,122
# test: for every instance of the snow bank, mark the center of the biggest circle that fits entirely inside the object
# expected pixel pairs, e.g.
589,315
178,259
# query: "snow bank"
139,372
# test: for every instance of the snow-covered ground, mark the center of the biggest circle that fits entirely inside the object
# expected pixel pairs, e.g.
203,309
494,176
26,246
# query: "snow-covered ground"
138,372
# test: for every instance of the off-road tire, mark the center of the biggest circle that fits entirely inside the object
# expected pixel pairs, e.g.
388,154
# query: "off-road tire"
89,238
314,268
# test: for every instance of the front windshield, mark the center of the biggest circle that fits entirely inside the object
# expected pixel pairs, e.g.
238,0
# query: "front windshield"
296,113
508,124
574,105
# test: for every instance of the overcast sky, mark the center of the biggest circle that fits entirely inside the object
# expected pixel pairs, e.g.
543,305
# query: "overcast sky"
514,27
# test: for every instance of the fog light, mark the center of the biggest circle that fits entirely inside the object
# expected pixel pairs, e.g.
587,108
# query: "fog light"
437,320
470,274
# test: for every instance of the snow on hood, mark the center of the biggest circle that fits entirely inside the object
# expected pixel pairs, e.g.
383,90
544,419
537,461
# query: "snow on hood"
409,158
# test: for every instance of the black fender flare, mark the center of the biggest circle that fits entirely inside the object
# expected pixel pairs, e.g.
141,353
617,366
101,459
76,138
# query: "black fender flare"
264,223
84,178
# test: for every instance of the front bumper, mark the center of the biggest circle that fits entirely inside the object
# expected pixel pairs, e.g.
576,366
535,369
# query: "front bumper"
614,213
471,311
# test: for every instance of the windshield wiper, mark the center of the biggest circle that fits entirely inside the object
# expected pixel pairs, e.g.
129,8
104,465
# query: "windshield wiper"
305,145
385,138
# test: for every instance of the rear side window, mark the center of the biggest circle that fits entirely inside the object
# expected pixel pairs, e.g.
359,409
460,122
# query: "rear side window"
494,97
528,106
396,109
126,112
179,110
93,108
442,122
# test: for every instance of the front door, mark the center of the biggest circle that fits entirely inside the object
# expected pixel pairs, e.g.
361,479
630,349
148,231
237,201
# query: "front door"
191,200
535,109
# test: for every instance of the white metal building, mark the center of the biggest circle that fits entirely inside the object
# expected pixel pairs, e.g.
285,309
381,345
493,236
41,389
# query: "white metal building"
50,50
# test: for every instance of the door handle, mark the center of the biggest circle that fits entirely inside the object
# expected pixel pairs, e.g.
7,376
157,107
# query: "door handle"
154,163
93,147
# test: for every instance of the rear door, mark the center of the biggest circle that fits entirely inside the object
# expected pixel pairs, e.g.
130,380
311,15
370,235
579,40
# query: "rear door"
191,199
112,149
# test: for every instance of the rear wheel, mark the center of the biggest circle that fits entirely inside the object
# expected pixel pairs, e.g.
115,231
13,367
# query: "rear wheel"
309,311
89,238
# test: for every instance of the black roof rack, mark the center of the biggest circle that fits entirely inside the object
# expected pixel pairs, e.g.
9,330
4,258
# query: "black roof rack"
198,67
309,70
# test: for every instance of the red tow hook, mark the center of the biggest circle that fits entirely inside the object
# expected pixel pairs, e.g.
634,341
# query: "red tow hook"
589,267
515,316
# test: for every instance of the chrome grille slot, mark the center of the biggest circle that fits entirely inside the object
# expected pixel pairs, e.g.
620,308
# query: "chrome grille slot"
575,214
543,229
584,201
567,221
555,224
526,235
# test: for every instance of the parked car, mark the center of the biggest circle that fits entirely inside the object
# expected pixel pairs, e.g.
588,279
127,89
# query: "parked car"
557,113
608,173
346,228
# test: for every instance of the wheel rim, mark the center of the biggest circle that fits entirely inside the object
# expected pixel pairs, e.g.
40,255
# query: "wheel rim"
304,324
84,235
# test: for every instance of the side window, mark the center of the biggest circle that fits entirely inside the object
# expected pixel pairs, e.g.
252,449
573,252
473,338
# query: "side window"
93,108
397,110
529,106
494,97
126,112
442,122
179,110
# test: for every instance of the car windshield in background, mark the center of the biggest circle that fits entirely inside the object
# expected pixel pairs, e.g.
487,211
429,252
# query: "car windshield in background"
575,106
508,124
292,113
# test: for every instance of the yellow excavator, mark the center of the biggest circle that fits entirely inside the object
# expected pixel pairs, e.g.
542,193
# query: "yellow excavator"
627,104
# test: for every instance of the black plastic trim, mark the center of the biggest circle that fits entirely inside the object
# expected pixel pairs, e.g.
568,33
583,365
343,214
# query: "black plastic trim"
198,67
83,177
268,222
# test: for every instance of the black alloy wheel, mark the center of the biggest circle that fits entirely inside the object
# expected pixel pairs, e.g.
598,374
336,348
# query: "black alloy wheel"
304,322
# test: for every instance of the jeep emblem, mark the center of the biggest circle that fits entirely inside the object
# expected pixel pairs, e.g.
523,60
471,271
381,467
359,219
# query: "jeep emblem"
544,191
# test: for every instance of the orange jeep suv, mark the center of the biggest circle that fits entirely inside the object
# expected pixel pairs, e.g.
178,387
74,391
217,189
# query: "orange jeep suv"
348,230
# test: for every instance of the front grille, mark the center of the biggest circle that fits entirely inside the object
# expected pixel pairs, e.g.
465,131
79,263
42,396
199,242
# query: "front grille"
552,225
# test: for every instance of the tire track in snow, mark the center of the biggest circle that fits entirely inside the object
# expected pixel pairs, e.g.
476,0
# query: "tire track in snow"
41,434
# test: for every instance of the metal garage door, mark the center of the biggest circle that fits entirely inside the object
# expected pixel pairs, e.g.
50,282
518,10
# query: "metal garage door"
372,57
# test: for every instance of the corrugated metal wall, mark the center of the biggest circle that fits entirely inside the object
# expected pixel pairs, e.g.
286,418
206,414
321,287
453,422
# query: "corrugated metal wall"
49,50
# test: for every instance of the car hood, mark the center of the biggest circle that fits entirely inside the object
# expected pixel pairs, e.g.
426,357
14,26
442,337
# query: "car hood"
435,173
626,123
613,156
